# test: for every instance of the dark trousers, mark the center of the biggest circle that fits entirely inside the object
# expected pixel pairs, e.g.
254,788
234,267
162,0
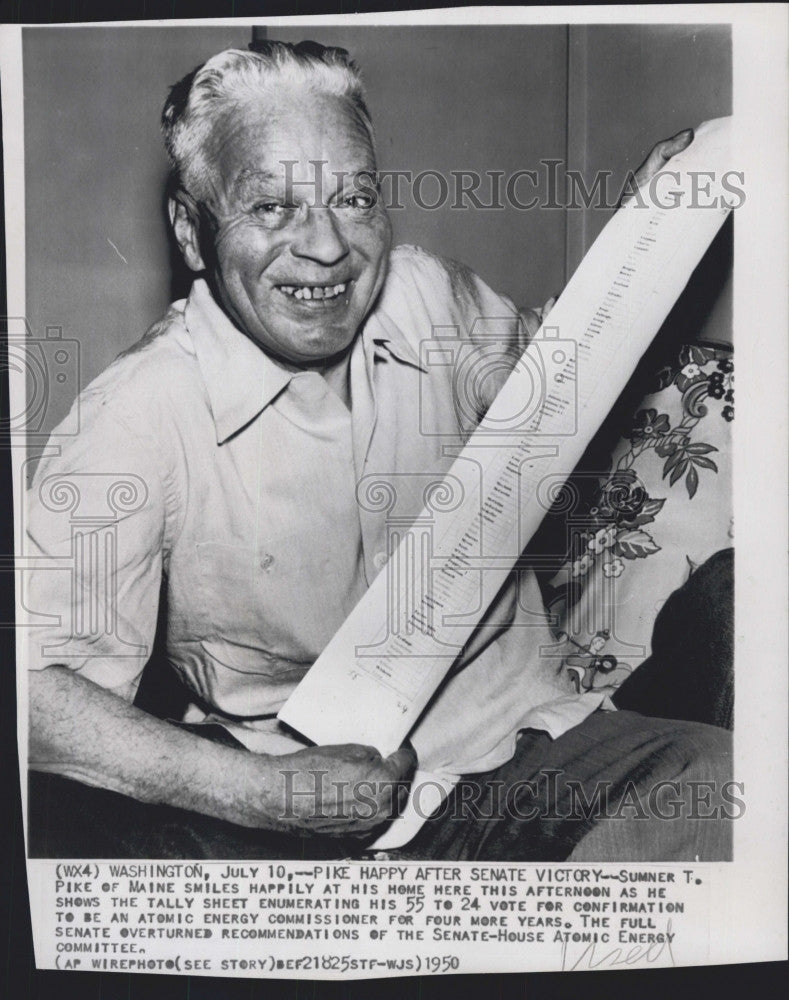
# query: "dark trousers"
620,786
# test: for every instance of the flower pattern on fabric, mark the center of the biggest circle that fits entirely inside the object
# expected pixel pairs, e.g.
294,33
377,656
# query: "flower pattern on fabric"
591,672
602,539
582,566
614,524
694,372
648,424
697,381
614,567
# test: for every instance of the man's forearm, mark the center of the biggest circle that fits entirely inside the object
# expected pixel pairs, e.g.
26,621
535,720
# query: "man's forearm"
84,732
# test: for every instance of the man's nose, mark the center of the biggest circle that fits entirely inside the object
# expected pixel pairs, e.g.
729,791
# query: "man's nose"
319,237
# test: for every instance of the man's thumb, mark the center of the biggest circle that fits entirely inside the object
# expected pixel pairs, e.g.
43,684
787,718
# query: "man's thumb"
402,762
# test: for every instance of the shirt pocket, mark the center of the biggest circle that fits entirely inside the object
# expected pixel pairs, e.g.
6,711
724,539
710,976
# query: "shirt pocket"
259,601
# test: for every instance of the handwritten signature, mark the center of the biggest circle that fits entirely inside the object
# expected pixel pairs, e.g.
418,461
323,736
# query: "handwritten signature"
597,955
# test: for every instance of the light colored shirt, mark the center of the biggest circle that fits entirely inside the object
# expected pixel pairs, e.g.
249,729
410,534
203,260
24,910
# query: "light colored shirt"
249,496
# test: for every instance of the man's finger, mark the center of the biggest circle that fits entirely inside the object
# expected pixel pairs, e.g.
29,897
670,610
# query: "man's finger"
670,147
401,763
662,152
659,156
356,752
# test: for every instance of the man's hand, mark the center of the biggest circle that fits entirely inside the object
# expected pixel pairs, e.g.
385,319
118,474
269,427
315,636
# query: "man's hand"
89,734
659,156
338,791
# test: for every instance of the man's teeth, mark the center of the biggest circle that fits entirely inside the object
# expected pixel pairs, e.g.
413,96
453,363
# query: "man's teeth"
314,291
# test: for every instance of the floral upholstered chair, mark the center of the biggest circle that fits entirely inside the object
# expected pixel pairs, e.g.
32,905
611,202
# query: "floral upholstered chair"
650,502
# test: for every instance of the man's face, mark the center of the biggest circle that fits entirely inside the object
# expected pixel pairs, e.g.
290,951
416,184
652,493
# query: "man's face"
300,246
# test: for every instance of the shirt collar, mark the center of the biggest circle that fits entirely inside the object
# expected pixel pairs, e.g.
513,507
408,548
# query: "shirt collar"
383,330
241,379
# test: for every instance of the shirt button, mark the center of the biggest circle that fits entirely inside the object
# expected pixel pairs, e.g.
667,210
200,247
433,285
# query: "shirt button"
380,559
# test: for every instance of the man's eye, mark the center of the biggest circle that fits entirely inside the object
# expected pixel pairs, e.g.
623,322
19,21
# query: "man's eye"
363,201
272,208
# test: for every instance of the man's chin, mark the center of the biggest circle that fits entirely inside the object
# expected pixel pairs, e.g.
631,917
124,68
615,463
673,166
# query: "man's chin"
314,343
306,347
325,354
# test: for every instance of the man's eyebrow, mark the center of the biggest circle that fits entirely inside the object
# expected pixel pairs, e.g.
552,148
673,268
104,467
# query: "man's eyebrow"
255,175
342,177
361,172
251,179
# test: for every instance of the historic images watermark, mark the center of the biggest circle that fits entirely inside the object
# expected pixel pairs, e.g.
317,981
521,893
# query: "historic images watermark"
548,795
48,366
551,185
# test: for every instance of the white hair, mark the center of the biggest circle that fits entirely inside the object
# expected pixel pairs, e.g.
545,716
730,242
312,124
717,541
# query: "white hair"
196,102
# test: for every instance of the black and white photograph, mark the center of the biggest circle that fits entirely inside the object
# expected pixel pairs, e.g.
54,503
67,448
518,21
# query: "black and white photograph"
377,484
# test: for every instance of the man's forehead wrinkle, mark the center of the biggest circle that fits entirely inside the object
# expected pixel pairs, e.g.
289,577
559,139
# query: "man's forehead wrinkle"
254,177
291,173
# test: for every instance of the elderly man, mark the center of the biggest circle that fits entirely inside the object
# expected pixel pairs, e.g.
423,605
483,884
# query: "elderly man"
245,419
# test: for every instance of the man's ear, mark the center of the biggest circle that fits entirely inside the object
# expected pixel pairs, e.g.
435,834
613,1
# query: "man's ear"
186,227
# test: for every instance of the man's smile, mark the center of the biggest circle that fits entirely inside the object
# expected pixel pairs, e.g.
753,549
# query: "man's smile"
318,296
